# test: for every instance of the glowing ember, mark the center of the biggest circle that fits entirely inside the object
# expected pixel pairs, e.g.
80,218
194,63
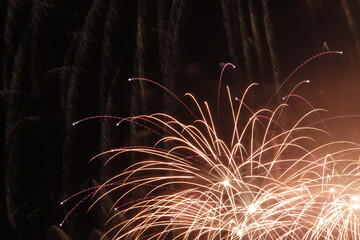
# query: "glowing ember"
226,183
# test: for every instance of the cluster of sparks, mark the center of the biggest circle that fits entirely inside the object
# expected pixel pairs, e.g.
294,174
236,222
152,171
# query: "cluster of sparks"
264,181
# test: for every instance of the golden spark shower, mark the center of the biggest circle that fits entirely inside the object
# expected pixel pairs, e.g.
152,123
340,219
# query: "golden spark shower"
234,172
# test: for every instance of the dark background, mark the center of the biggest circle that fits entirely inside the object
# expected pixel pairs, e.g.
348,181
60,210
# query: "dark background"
63,60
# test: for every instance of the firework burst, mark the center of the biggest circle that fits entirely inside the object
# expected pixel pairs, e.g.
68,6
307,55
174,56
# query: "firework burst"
264,181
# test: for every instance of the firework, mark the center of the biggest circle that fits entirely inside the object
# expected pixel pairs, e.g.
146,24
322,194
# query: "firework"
264,181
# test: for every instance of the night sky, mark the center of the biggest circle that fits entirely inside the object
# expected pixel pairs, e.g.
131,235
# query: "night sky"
65,60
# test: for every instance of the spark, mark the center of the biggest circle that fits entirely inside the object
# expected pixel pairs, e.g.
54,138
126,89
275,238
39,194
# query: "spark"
239,233
355,198
226,183
252,208
355,205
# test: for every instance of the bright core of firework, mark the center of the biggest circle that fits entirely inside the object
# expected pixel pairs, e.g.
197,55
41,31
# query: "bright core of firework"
252,208
226,183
